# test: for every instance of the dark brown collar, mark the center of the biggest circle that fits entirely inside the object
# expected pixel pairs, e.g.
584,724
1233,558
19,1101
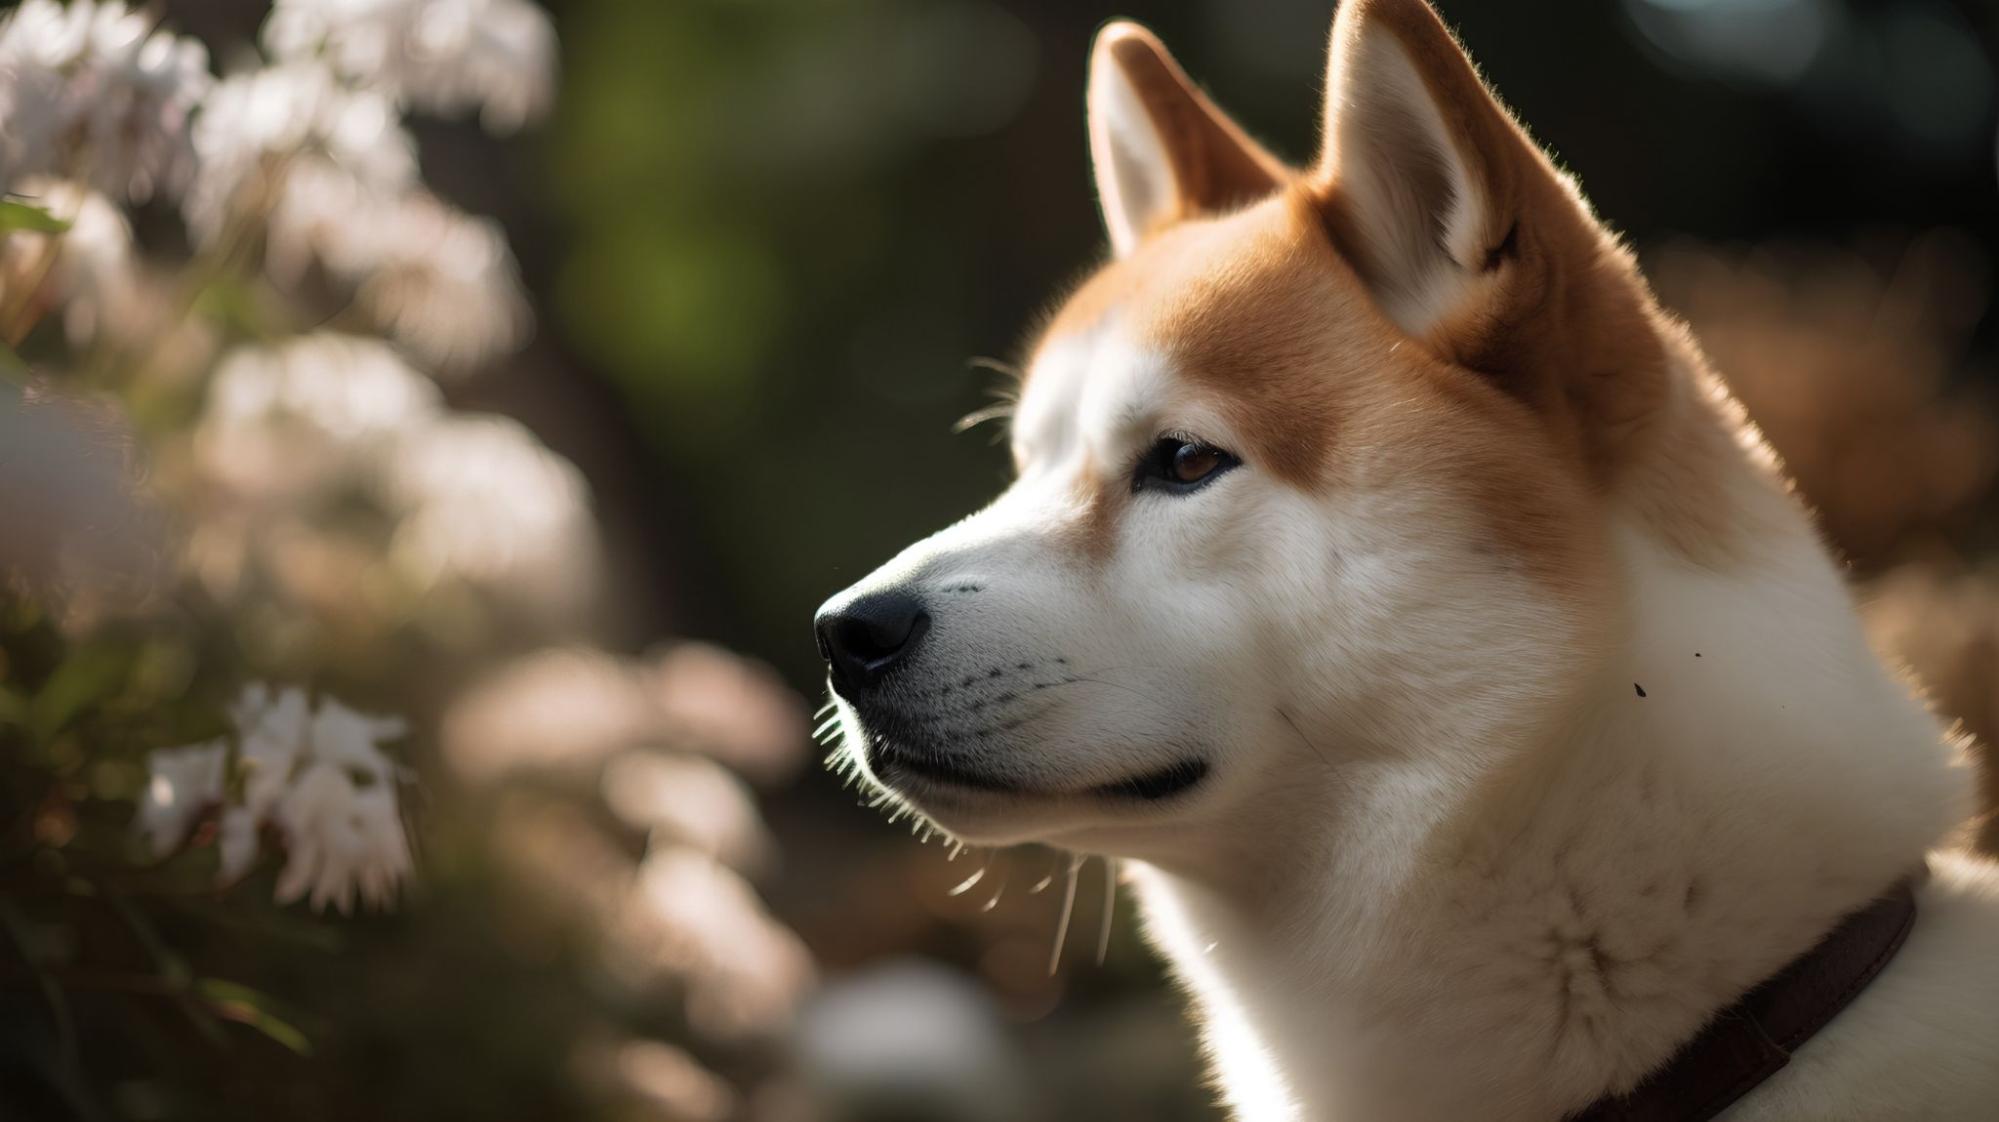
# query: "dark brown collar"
1747,1042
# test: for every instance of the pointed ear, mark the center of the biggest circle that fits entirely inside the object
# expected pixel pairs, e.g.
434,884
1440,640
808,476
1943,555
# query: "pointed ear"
1471,241
1425,178
1163,152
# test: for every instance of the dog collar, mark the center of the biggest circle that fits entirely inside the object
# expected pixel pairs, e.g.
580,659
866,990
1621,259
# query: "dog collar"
1750,1040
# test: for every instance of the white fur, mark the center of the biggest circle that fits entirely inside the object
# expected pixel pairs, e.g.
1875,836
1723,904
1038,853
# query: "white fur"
1423,213
1370,931
1134,178
1781,774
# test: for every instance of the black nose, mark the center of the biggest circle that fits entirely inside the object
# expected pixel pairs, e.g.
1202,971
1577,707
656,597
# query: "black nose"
863,639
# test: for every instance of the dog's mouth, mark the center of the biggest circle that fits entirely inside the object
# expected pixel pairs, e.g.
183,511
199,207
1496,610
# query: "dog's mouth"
1175,778
897,766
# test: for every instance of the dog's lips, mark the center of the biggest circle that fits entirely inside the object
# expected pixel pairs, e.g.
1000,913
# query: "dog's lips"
1155,786
904,769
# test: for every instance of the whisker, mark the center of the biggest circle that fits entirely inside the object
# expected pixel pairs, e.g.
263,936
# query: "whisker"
1110,909
984,362
965,885
977,417
831,722
1068,913
831,703
1008,397
1005,871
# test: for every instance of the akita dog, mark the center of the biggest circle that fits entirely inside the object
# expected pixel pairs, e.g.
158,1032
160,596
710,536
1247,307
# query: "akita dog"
1393,584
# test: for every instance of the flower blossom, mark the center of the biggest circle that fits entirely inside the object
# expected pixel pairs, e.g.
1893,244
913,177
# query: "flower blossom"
182,782
327,419
316,775
294,143
91,276
443,283
691,921
557,711
331,174
482,502
93,90
444,56
289,421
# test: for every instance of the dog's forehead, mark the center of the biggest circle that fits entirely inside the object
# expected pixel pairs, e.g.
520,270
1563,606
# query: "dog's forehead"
1250,316
1093,384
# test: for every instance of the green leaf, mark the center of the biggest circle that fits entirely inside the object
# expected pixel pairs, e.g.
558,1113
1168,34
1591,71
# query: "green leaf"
87,675
278,928
246,1006
27,216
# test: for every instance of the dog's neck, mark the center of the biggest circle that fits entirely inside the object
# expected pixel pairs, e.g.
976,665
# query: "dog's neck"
1515,947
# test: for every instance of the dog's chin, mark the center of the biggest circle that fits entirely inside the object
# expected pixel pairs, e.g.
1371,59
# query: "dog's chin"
974,815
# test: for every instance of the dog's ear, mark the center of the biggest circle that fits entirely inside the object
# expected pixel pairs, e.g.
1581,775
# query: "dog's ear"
1427,183
1468,237
1163,152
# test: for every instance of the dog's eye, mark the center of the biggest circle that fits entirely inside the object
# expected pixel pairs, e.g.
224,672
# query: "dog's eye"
1180,464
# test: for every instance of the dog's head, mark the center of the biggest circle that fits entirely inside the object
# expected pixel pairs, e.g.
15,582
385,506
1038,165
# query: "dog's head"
1314,476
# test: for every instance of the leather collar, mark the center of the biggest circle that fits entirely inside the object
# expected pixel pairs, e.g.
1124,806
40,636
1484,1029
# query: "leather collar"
1750,1040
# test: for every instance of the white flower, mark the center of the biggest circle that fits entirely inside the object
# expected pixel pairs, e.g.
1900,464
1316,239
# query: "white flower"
565,709
303,417
483,502
319,776
293,127
660,1080
693,921
691,801
91,90
91,279
732,708
348,739
464,499
183,783
441,281
331,174
236,843
342,836
446,56
271,731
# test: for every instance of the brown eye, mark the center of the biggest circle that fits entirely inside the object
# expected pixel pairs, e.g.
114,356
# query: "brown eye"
1180,464
1195,462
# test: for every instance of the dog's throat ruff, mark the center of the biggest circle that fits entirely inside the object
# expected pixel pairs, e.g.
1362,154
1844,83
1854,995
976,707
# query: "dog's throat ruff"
1750,1040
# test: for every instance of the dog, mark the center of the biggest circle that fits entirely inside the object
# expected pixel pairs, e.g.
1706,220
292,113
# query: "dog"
1393,586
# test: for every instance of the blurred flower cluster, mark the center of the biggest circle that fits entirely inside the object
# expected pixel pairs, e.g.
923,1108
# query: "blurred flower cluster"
618,795
1855,365
239,496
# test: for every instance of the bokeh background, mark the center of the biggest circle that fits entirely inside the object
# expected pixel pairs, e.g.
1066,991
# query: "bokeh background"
773,247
